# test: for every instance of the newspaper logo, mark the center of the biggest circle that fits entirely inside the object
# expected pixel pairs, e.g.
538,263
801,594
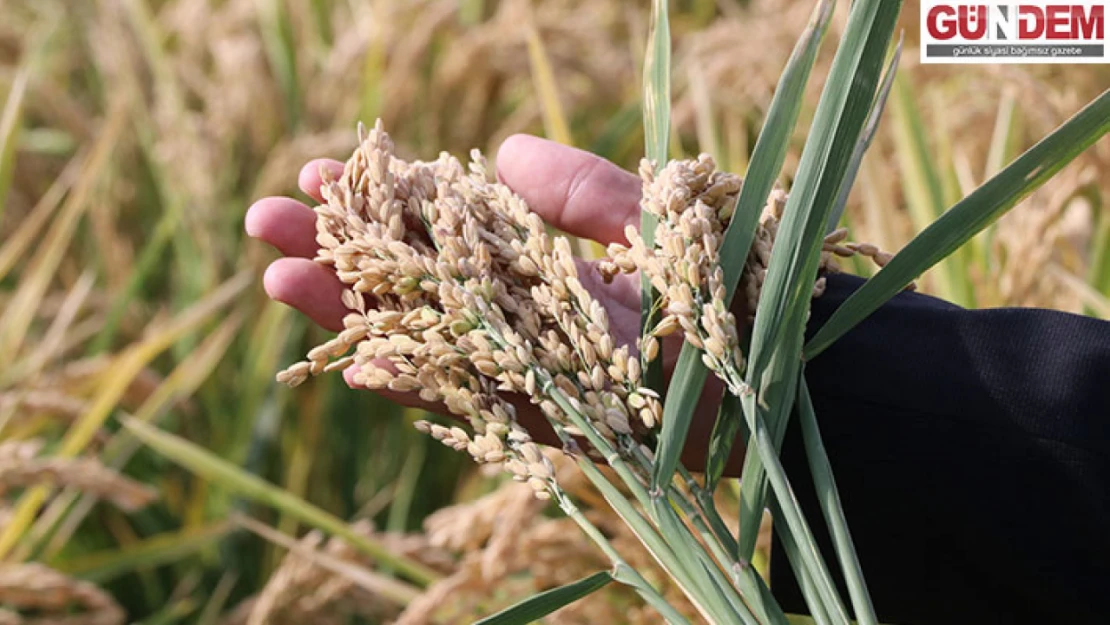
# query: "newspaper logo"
1008,32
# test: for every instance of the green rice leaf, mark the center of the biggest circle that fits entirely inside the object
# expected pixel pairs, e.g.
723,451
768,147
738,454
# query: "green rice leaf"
1003,146
148,553
693,557
829,499
657,129
730,421
783,307
802,576
547,602
657,89
281,53
767,158
656,544
1098,275
792,527
865,139
969,216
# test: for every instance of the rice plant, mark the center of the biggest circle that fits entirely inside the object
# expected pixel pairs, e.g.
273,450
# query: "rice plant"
150,470
457,291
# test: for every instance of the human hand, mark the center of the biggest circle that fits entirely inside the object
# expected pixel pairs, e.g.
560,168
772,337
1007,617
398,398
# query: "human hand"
574,191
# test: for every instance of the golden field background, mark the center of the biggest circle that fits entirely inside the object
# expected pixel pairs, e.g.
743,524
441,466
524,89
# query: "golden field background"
135,133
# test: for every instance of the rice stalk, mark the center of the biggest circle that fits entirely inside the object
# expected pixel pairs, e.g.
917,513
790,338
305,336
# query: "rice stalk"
540,333
443,76
18,314
128,366
62,518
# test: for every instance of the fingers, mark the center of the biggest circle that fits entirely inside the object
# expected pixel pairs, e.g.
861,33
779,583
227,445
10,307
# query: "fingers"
290,226
309,179
573,190
310,288
285,224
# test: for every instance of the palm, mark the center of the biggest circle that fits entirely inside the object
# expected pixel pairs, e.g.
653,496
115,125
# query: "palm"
572,190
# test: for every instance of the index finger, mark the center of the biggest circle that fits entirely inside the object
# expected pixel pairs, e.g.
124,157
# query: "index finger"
573,190
309,179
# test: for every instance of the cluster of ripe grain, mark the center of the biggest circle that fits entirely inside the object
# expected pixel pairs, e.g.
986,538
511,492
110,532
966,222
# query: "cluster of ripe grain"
457,292
54,597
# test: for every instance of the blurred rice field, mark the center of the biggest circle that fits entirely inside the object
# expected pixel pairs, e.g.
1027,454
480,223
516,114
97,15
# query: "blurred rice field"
135,133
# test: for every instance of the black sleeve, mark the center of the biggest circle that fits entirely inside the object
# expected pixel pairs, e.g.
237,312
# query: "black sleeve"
971,449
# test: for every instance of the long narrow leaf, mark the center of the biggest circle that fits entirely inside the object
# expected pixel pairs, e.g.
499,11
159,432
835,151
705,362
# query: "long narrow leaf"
657,130
793,526
767,158
621,571
784,302
547,91
829,498
655,544
10,122
1098,274
968,217
865,139
148,553
836,128
657,88
544,603
753,485
730,422
804,579
376,583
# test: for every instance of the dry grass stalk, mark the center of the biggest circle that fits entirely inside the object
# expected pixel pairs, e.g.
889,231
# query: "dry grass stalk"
302,591
1056,216
311,588
493,551
54,598
82,377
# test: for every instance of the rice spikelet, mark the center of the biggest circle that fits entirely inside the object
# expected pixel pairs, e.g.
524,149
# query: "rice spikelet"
20,468
56,598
